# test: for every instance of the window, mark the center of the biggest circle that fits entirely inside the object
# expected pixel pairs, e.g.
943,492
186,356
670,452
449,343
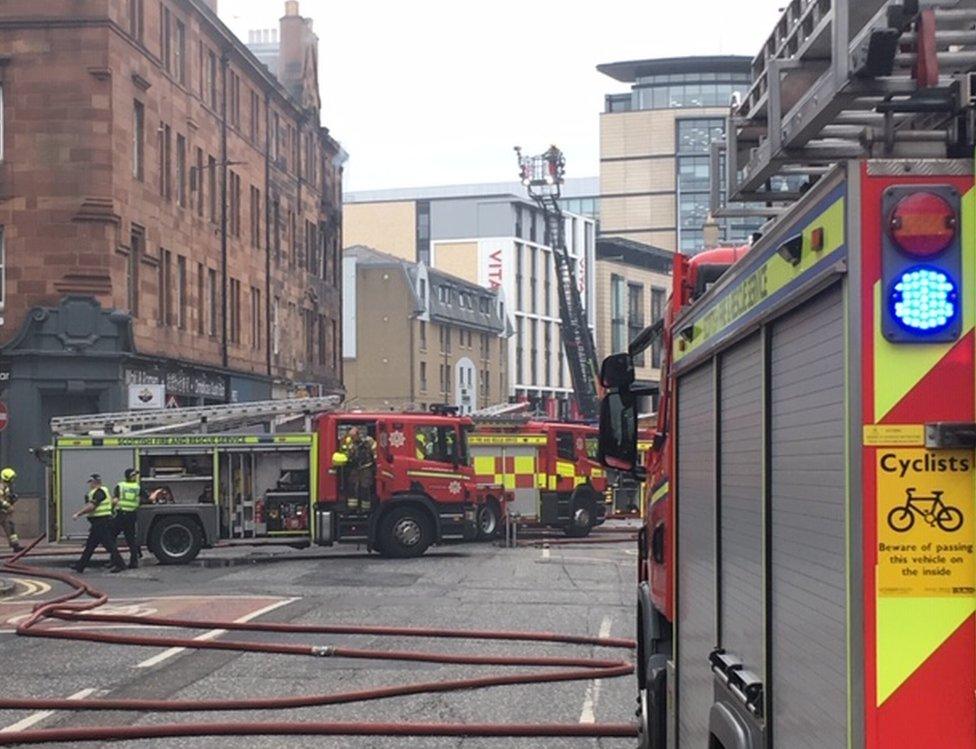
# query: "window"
235,204
212,285
165,38
201,67
179,53
547,286
565,446
519,349
485,346
322,342
423,377
235,311
277,231
423,232
293,235
255,318
234,94
201,294
547,352
275,137
164,285
308,322
197,182
212,187
423,335
137,248
618,316
445,336
438,444
335,346
181,292
533,268
310,255
657,312
255,118
635,316
136,19
275,326
181,171
212,77
534,352
255,217
519,252
138,140
165,159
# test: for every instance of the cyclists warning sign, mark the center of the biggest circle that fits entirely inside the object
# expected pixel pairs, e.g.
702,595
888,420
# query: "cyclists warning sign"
925,522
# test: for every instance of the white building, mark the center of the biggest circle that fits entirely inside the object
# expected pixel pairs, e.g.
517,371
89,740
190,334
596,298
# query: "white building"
496,241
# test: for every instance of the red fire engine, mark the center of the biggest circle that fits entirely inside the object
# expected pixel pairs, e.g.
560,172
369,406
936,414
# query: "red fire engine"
549,467
807,573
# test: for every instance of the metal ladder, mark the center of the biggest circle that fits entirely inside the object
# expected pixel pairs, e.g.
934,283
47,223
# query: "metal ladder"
163,420
848,79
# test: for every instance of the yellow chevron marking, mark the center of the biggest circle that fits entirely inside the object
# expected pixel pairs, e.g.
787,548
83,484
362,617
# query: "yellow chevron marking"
909,630
899,367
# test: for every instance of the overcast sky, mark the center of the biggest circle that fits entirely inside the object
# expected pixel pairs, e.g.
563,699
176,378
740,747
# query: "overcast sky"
435,92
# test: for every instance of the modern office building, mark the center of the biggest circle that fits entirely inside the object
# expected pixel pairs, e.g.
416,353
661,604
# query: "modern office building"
654,150
632,283
414,336
497,242
170,214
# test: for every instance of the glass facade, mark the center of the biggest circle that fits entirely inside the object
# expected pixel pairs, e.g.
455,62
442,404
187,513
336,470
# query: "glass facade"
694,137
679,91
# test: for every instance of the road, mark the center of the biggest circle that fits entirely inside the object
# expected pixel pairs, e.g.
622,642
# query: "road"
577,589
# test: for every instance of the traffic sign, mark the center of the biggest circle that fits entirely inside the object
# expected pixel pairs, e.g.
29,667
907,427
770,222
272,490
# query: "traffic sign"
4,416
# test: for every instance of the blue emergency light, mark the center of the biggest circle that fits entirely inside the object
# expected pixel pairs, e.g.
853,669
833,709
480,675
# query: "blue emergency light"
925,300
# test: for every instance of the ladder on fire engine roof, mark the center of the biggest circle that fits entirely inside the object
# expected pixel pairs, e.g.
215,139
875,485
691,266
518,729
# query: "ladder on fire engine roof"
542,176
848,79
499,409
202,418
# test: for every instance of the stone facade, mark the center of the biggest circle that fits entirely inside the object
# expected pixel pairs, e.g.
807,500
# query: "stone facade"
151,162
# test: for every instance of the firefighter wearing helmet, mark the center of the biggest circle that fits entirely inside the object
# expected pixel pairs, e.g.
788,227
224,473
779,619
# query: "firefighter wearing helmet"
360,452
7,501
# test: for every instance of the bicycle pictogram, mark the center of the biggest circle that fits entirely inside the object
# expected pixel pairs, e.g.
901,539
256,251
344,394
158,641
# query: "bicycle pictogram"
932,510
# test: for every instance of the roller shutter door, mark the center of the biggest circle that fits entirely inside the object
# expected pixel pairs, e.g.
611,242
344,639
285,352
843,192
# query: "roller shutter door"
808,637
696,554
741,567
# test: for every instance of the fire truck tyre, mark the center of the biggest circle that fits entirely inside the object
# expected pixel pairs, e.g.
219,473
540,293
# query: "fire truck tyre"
489,520
175,540
652,722
583,516
405,532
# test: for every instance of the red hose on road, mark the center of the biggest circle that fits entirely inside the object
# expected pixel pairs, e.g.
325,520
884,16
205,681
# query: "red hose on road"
66,607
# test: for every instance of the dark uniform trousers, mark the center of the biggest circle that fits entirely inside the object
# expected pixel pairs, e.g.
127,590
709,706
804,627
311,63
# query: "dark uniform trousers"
102,531
125,523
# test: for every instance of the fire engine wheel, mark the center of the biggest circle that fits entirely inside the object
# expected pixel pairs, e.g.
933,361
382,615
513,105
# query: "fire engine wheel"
583,516
488,521
175,540
404,532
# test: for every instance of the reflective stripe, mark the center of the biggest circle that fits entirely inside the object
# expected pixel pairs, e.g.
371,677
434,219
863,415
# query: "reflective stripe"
128,492
103,509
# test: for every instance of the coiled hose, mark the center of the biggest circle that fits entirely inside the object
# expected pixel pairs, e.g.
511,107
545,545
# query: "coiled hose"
80,602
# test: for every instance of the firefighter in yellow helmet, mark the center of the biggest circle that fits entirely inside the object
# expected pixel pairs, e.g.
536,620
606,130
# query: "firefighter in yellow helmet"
360,451
7,501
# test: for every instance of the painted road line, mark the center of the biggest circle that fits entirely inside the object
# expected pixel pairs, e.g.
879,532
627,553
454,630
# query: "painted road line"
213,633
588,714
36,718
545,552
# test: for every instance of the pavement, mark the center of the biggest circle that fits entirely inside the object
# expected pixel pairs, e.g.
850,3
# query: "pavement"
585,589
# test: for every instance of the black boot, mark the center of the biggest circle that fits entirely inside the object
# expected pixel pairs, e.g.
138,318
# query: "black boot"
77,568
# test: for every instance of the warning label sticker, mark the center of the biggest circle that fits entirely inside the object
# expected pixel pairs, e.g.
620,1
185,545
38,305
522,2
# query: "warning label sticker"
925,523
894,435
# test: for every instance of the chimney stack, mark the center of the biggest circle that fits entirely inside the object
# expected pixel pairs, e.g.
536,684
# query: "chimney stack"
295,39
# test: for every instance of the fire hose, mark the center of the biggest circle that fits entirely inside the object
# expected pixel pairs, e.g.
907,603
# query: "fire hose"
81,601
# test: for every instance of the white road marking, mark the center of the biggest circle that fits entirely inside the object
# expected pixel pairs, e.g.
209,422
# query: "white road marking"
37,717
588,714
545,552
213,633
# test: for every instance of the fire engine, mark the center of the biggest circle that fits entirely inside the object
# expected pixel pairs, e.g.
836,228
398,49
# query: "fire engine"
806,570
549,467
255,484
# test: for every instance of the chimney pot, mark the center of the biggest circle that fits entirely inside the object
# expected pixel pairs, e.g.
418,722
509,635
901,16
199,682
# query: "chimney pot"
291,7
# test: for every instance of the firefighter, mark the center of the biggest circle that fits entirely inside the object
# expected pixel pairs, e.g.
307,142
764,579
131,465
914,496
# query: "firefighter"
361,469
421,449
100,510
128,495
7,501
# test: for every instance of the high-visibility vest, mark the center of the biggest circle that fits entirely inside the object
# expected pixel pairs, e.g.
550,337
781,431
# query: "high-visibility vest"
103,509
128,492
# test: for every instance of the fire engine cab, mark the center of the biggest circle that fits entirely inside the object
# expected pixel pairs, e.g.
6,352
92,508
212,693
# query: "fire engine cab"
549,467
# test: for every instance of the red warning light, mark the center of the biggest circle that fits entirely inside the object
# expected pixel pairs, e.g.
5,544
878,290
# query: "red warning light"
923,224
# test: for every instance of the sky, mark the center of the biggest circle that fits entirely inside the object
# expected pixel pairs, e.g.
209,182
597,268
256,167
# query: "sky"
435,92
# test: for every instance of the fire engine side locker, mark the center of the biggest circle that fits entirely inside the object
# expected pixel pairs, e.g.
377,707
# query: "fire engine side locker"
761,550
